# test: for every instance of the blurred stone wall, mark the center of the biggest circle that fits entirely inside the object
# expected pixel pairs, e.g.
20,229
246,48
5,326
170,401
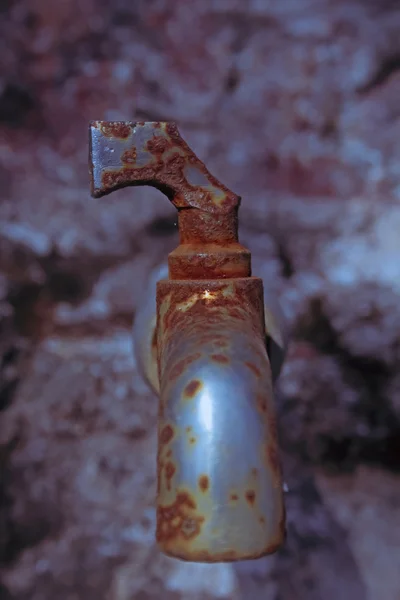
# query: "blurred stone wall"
295,106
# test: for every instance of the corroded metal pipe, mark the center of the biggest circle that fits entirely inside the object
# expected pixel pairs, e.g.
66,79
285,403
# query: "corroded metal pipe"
145,330
219,480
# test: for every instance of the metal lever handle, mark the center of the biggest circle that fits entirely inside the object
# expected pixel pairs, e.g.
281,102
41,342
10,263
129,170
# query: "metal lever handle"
130,154
139,153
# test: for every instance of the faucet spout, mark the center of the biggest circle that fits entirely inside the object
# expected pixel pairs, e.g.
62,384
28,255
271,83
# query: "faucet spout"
220,494
219,478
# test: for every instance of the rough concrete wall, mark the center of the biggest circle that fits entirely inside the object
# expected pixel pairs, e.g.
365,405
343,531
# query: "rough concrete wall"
294,105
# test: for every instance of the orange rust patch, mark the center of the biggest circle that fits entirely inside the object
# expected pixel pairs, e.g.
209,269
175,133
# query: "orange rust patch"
237,314
168,173
169,473
184,498
166,435
129,156
122,177
109,179
251,497
204,483
234,497
117,130
178,369
253,368
220,358
157,145
192,388
178,520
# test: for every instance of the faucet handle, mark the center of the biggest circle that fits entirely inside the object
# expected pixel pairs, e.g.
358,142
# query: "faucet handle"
128,153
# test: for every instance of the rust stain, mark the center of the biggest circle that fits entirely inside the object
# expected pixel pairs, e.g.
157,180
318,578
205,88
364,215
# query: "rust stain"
111,179
116,129
129,156
166,435
237,314
234,497
204,483
159,471
220,358
253,368
192,440
179,520
192,388
170,471
168,163
191,527
251,497
178,369
157,145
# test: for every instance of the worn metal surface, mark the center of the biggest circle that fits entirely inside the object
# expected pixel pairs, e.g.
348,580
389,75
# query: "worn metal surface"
219,481
123,154
129,153
144,331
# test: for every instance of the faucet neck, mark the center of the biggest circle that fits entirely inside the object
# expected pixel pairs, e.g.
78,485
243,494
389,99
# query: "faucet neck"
209,247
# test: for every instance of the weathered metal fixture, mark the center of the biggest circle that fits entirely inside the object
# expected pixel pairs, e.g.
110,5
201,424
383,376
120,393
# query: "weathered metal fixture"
207,353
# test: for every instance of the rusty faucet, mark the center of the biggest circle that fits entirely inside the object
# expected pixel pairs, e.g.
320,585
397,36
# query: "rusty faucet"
207,353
